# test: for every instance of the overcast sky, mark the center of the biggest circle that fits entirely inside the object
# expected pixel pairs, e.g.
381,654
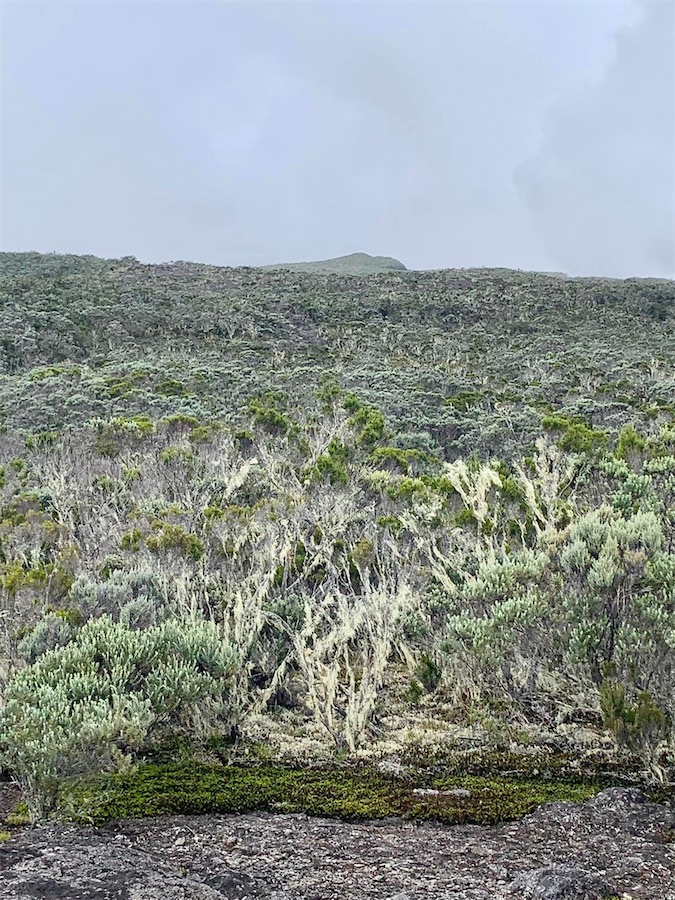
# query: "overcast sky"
534,135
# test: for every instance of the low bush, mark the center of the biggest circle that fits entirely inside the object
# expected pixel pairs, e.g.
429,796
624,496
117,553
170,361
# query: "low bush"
83,706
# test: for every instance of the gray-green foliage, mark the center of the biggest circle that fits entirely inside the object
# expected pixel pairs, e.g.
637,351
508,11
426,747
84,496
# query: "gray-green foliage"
134,597
50,632
473,357
495,628
107,691
608,600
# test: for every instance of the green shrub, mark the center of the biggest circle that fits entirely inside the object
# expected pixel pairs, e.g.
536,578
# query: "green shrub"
465,400
371,425
202,434
131,540
401,458
576,437
113,434
637,724
265,413
428,672
332,463
171,387
50,632
174,537
629,444
81,707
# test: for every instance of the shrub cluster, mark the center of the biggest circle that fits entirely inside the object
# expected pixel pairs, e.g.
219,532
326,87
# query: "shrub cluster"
471,523
107,692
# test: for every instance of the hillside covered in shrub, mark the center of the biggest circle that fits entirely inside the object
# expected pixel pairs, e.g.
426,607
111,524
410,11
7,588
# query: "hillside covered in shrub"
332,515
464,361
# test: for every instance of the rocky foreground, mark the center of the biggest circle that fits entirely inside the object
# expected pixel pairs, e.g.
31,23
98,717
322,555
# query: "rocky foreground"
616,845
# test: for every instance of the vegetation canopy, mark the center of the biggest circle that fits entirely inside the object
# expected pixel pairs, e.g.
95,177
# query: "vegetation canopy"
319,517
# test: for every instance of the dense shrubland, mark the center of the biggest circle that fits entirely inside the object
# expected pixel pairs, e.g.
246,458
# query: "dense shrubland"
313,587
464,361
312,573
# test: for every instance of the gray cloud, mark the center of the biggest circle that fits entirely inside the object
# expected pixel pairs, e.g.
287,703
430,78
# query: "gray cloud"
250,133
601,188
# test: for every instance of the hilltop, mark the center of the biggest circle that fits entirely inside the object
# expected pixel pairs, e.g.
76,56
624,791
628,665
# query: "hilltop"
353,264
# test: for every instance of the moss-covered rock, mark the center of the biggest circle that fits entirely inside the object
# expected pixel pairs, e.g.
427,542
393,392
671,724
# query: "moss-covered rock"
349,792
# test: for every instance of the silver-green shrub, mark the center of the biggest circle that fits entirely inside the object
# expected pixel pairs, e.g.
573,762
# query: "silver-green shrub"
81,707
50,632
93,597
498,624
605,564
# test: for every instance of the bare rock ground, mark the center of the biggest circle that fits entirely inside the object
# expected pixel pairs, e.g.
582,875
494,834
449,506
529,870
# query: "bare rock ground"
616,844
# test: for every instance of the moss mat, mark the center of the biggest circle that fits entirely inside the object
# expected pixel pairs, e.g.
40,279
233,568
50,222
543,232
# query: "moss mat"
340,792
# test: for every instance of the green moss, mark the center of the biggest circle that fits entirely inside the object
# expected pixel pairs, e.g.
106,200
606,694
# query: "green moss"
353,792
18,816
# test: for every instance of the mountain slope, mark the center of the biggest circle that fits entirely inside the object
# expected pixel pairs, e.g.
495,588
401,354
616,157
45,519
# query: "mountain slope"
470,359
402,514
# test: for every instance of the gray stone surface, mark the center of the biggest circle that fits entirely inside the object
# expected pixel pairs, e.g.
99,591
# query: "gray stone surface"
561,883
615,841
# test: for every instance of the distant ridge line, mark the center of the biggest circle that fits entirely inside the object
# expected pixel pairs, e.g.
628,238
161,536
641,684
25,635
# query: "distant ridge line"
352,264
